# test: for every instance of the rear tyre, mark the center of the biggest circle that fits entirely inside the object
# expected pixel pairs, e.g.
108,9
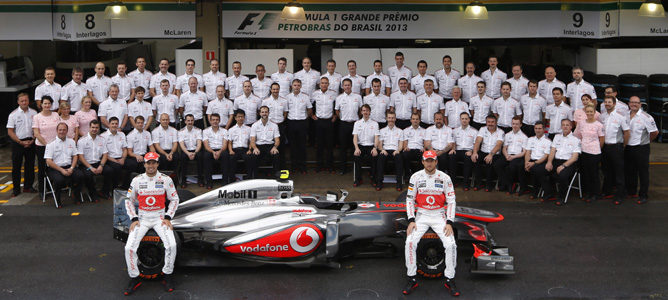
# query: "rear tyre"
150,255
430,256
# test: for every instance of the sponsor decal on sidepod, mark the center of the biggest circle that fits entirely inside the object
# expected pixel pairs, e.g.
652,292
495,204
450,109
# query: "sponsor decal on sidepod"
298,240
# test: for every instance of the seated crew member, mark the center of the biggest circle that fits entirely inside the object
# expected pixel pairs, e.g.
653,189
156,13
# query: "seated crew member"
439,138
190,142
61,157
365,131
413,143
92,150
486,152
166,142
389,144
239,147
536,152
464,137
215,143
117,153
561,162
264,142
139,142
511,165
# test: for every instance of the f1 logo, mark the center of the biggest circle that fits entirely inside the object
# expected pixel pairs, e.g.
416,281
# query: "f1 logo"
248,20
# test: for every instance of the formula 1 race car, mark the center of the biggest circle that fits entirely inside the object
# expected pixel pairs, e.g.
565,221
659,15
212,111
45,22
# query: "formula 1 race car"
262,221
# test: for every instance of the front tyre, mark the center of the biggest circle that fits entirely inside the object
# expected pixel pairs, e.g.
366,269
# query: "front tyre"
430,256
150,255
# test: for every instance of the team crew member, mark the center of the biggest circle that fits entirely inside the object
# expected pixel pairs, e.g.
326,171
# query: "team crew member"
125,83
142,77
332,76
71,121
48,88
577,88
617,133
113,107
140,107
454,108
620,106
150,190
98,85
537,150
481,106
428,104
261,84
464,137
580,115
183,81
380,104
221,106
215,140
239,147
417,82
283,77
356,79
74,91
235,83
365,132
308,77
165,103
324,118
428,191
117,153
159,77
511,165
533,108
564,154
389,144
278,112
413,143
85,115
139,143
44,128
518,83
547,86
385,83
469,83
404,103
636,154
486,152
556,112
299,109
446,78
61,157
439,138
193,102
264,142
92,150
493,77
398,71
347,108
19,130
213,79
506,108
190,142
590,132
248,102
165,142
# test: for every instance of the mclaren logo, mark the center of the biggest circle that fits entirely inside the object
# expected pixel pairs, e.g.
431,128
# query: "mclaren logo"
250,25
243,194
304,239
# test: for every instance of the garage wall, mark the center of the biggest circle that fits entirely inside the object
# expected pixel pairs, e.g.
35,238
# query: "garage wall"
365,58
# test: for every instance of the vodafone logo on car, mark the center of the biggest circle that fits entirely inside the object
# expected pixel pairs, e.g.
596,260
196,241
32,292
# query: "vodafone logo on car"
304,239
295,241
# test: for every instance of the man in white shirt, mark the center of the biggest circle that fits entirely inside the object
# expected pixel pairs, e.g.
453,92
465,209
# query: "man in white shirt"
533,108
214,140
264,142
505,108
157,78
142,77
213,79
417,82
98,85
404,103
464,137
48,88
577,88
183,81
20,132
561,163
61,157
139,142
486,152
261,84
519,84
92,151
454,108
74,90
116,155
333,77
248,102
299,110
365,132
493,77
357,80
221,106
379,103
617,134
398,71
468,83
239,147
537,150
115,108
620,106
480,106
447,78
190,143
235,83
166,141
636,154
139,107
165,103
389,144
556,112
283,77
439,138
193,102
125,83
547,85
278,113
511,166
347,108
413,143
324,117
309,77
428,104
385,83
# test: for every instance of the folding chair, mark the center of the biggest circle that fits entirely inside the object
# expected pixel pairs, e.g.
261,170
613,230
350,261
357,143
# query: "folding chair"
47,181
570,186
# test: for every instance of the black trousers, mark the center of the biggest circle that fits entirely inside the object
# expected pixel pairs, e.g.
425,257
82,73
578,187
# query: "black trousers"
165,164
132,166
89,178
382,125
443,163
613,169
345,142
398,166
297,133
563,179
200,124
324,132
486,169
402,124
425,125
409,157
540,178
454,160
477,125
209,161
41,167
637,166
184,162
591,182
118,172
239,154
265,155
505,129
551,136
528,130
283,146
59,181
364,157
513,171
26,157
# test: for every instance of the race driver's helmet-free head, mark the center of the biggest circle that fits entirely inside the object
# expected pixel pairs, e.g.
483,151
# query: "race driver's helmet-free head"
430,154
151,156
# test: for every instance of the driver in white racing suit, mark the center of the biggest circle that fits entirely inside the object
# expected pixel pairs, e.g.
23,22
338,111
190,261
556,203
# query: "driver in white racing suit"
151,190
429,190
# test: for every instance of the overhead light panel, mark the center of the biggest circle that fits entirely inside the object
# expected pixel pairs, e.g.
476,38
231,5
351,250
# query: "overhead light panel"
116,10
476,11
652,9
293,11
